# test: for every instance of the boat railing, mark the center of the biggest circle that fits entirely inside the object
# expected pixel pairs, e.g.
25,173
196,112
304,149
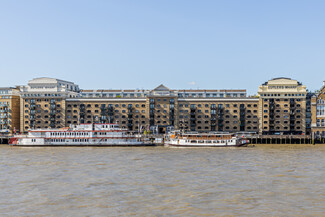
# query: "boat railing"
21,136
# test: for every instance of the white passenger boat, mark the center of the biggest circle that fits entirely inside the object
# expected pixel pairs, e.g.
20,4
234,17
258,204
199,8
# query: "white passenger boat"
204,140
79,135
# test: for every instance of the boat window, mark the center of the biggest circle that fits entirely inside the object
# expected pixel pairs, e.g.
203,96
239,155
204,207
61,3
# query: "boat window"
208,141
193,141
201,141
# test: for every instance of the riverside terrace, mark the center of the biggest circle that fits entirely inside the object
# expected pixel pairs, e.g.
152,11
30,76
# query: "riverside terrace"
282,107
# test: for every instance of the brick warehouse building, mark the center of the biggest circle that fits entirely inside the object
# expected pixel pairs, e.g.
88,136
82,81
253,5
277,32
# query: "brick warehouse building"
283,106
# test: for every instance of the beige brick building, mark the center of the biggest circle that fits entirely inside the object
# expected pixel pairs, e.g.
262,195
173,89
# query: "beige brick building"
9,110
163,109
282,107
43,103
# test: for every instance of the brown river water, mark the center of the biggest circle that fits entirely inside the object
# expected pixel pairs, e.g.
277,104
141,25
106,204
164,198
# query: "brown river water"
159,181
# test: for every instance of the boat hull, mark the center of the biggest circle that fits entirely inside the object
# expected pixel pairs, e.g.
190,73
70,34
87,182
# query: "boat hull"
81,145
234,142
204,146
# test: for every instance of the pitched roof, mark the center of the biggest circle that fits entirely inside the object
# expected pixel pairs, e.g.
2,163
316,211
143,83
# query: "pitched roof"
161,88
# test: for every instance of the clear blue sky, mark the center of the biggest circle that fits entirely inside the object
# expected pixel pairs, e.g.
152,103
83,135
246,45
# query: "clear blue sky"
180,43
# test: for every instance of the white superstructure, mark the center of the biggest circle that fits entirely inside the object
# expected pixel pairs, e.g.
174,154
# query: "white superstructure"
49,87
78,135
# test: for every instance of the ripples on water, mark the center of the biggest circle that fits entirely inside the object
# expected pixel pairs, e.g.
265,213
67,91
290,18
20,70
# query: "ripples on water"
158,181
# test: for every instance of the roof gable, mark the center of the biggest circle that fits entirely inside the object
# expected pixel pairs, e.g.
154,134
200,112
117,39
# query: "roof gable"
161,88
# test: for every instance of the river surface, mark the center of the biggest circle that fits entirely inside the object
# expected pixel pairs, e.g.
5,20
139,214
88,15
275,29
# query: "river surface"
158,181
